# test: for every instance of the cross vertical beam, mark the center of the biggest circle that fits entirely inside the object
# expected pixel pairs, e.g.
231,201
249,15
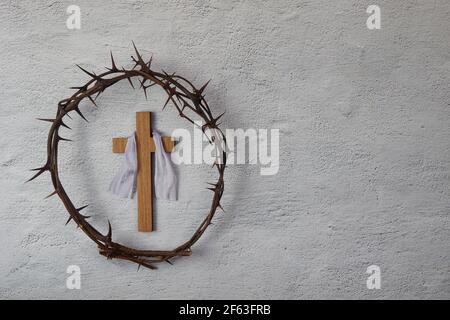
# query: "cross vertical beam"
144,174
144,145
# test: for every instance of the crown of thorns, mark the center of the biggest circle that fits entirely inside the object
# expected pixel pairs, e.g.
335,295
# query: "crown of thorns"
186,99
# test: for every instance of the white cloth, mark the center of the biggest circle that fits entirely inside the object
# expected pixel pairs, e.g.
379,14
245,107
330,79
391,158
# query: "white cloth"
165,180
165,177
124,182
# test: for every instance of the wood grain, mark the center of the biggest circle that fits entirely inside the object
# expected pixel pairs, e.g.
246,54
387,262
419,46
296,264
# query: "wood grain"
144,176
119,144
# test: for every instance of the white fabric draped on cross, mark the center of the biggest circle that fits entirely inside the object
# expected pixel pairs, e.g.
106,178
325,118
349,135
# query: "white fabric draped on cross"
165,180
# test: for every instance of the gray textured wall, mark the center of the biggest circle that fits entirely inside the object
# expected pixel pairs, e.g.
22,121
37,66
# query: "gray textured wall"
364,148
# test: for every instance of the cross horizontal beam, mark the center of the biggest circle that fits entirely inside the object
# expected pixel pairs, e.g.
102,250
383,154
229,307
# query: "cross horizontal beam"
119,144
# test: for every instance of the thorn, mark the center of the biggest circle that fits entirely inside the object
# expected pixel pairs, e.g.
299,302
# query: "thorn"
171,93
203,87
138,54
92,75
82,88
51,194
212,189
165,104
40,171
81,208
149,63
46,120
131,83
139,266
136,63
169,262
65,125
113,64
52,121
63,139
109,235
92,100
142,82
145,93
97,95
81,115
215,120
220,206
168,74
68,220
36,169
144,87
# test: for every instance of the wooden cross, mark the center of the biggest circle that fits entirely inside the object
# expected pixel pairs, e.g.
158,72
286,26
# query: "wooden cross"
144,146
